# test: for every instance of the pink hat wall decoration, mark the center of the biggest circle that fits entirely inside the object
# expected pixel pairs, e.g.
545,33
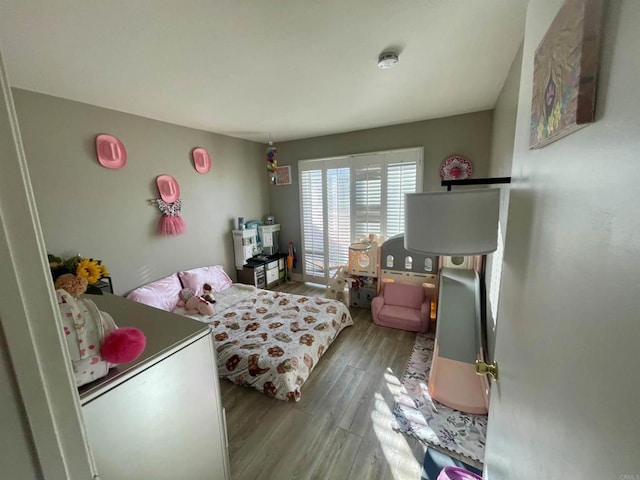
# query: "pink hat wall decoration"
201,160
110,151
169,204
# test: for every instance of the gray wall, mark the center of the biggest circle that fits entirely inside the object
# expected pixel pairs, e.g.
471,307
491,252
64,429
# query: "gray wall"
504,121
504,127
104,213
468,135
567,401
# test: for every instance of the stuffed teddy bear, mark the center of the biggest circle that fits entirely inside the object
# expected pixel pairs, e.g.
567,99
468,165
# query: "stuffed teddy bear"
207,293
73,284
195,304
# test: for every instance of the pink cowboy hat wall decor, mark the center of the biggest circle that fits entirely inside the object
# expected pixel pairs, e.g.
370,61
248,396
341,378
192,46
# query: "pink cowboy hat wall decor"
169,204
201,160
110,151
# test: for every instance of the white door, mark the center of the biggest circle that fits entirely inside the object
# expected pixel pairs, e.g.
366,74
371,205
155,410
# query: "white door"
566,405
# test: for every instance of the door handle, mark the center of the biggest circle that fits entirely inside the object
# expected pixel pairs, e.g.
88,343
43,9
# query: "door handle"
487,369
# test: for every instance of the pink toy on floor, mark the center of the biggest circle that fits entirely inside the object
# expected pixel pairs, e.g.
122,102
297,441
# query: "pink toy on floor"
403,306
457,473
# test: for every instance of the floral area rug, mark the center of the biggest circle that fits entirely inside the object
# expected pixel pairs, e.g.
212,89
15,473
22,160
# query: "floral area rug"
418,415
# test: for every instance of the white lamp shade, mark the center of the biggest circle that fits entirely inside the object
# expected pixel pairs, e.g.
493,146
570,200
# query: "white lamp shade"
463,222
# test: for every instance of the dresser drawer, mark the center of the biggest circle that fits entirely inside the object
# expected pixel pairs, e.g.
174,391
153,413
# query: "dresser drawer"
273,264
272,274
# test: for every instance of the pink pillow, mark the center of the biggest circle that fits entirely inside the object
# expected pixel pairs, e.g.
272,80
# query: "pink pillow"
163,294
197,277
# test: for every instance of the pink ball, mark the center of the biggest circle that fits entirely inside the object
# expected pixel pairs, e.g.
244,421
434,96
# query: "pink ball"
124,345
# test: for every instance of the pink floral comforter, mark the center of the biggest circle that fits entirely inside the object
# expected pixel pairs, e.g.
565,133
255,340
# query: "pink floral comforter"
272,340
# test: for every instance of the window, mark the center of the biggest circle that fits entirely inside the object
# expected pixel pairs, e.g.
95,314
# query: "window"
313,221
345,199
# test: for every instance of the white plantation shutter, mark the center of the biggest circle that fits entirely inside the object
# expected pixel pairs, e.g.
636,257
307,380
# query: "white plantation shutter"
312,222
338,217
401,179
367,212
345,199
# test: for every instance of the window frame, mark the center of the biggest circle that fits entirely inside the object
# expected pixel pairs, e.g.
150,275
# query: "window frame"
353,162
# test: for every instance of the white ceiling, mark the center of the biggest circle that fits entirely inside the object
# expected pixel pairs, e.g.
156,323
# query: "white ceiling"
251,68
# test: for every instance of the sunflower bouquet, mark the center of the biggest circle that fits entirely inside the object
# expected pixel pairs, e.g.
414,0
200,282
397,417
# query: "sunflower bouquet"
77,274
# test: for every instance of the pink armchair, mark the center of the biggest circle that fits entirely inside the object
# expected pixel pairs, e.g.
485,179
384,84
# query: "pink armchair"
403,306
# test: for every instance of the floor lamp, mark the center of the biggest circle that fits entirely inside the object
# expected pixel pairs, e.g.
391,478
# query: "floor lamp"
457,223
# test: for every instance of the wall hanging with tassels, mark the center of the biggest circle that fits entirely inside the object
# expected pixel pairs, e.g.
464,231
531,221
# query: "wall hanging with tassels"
272,162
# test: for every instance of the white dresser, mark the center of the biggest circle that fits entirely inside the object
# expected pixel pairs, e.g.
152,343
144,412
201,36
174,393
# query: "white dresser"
160,416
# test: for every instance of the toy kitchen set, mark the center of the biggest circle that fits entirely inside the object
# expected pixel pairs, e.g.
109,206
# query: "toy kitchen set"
257,253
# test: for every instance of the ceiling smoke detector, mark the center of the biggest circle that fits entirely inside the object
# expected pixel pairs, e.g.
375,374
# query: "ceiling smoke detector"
388,59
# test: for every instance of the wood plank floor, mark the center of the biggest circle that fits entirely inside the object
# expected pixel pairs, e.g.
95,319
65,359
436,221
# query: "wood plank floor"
340,429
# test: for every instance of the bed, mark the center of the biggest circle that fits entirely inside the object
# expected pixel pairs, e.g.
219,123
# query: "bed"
267,340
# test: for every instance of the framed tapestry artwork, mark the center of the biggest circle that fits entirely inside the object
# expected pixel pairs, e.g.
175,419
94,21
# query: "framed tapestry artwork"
283,175
565,71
